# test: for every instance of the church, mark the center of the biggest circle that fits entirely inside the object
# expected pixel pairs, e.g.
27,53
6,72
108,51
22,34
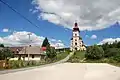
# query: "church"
76,40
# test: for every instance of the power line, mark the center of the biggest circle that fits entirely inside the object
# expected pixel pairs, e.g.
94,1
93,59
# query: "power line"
9,6
19,13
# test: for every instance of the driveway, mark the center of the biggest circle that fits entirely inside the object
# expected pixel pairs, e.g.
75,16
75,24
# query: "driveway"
67,71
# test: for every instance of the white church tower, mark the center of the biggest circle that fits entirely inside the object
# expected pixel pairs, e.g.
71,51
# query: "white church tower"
76,40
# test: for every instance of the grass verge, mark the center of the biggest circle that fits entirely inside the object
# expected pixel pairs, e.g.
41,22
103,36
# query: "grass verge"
23,64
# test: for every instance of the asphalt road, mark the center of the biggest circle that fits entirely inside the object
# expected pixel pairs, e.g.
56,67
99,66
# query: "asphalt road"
67,71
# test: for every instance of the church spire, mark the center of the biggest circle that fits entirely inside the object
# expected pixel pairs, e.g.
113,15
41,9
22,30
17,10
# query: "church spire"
75,28
76,25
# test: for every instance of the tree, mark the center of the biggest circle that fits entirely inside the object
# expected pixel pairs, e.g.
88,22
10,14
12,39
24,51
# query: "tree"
111,52
7,53
1,45
118,44
45,42
94,52
51,53
1,55
105,46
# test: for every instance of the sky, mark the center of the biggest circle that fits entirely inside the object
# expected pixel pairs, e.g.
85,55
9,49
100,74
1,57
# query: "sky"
98,24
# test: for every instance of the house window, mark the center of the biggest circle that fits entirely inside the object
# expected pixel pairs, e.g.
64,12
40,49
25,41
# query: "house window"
75,43
26,55
32,56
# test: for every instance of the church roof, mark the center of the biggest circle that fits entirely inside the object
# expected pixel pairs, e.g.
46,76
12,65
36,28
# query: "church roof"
76,27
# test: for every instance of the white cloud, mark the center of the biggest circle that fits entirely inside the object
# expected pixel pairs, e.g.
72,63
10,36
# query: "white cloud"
22,39
109,40
86,36
33,11
30,10
91,14
93,37
5,30
58,45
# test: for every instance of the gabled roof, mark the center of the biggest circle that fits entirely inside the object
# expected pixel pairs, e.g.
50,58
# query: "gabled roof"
16,49
32,50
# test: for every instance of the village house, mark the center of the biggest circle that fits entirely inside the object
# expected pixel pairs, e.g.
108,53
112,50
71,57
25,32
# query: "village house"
28,53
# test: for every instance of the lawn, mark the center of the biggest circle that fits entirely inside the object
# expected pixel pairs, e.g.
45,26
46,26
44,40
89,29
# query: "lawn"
61,56
77,57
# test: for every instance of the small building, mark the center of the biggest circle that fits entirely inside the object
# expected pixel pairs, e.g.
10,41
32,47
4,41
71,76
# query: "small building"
76,41
28,53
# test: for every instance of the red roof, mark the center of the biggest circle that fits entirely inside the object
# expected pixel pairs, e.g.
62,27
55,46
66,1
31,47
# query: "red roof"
43,48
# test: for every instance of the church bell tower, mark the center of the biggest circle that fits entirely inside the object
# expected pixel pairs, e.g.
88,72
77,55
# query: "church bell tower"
76,40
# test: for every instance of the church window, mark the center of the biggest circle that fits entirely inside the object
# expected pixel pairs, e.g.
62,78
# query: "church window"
75,43
75,48
75,34
75,39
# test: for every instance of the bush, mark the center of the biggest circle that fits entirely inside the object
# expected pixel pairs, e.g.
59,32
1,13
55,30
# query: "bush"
94,52
117,58
17,64
51,53
111,52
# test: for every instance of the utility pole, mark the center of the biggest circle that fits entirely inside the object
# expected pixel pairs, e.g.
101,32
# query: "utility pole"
29,34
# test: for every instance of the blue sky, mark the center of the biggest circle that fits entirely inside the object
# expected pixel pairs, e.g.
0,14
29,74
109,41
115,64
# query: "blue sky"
14,23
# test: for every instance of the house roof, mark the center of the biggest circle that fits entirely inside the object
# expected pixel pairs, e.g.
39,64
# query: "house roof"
32,50
43,48
16,48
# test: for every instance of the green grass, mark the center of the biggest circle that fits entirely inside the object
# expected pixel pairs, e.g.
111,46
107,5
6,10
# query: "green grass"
23,64
115,64
77,57
80,54
61,56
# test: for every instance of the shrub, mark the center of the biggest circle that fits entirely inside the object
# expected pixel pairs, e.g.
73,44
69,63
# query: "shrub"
111,52
117,58
94,52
